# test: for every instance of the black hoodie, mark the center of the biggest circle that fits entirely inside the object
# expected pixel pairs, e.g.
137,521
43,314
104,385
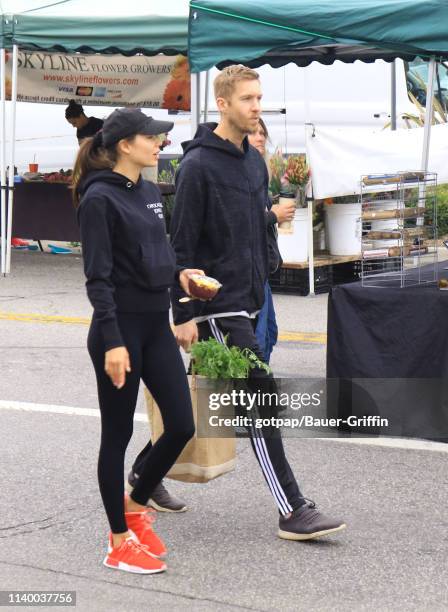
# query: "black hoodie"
128,261
219,223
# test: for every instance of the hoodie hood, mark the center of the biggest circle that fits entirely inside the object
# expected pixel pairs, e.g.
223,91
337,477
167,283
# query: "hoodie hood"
110,177
205,137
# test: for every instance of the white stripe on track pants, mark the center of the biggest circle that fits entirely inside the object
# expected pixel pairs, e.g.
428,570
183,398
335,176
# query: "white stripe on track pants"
267,444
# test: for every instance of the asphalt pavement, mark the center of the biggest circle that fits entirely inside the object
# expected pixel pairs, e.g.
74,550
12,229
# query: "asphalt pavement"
223,553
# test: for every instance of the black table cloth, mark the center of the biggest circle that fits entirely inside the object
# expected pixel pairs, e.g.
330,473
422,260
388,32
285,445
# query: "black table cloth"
45,211
387,355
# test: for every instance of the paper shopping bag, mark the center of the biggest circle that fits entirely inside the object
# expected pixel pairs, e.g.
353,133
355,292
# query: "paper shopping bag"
203,458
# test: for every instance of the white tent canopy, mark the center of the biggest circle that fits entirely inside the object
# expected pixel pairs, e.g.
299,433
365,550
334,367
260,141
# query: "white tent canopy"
360,152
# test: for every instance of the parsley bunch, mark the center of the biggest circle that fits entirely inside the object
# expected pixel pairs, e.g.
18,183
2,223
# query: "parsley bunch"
215,360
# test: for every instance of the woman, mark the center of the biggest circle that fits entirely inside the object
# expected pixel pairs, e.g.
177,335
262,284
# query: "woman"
267,330
129,266
85,126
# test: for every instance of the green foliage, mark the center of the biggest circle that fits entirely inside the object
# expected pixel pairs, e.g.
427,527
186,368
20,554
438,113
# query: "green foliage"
215,360
277,166
442,209
442,206
167,176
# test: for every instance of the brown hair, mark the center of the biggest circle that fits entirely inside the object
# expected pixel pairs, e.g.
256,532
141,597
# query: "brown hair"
264,128
224,83
92,156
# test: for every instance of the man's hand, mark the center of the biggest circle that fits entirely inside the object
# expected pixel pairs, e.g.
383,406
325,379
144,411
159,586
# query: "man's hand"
186,334
284,212
117,363
185,275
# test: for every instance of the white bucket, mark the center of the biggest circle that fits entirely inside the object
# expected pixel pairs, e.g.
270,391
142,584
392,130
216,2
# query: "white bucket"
385,225
344,228
293,244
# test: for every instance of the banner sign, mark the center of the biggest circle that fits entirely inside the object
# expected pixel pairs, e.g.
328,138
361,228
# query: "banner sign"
103,80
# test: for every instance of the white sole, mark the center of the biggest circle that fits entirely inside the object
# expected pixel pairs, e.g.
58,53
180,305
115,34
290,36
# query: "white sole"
288,535
151,503
156,506
124,567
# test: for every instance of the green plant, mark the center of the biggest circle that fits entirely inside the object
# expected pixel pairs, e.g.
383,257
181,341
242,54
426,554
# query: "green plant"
441,198
167,176
442,209
215,360
277,167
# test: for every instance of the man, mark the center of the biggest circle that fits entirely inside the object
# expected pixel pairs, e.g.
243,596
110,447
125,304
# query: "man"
218,225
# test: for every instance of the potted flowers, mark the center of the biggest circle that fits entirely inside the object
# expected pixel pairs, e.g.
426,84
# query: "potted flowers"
277,167
295,178
289,179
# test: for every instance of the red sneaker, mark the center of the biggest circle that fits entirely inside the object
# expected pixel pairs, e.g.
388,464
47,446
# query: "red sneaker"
131,556
16,242
140,525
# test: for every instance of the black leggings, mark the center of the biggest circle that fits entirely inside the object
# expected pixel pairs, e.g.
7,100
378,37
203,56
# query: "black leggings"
155,358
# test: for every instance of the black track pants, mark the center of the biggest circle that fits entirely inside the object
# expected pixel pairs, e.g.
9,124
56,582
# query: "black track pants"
266,443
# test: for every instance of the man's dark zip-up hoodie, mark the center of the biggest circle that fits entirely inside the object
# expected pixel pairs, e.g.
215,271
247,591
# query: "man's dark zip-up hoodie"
219,223
128,261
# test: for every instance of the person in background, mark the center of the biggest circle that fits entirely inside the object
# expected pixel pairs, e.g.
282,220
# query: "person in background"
130,266
85,126
266,330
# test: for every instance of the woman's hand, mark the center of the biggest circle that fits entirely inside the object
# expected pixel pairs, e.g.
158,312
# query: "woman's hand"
185,275
117,363
284,212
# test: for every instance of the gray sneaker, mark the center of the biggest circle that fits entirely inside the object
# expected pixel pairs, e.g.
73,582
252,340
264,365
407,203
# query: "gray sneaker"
307,523
160,499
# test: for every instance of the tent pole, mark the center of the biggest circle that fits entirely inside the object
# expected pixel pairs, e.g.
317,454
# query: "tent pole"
206,95
195,102
393,95
428,114
15,57
2,161
309,200
309,197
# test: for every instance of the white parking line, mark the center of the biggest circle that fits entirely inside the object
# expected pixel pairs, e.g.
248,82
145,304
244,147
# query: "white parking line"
70,410
141,417
408,443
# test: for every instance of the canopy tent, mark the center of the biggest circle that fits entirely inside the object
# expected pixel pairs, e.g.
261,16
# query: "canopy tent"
100,26
85,26
299,31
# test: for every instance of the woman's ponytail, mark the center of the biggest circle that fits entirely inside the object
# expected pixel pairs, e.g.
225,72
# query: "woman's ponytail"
91,156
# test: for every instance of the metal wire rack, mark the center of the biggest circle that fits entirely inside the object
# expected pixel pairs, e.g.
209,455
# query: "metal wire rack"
399,229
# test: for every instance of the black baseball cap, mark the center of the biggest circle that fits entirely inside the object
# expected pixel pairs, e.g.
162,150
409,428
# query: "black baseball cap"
126,122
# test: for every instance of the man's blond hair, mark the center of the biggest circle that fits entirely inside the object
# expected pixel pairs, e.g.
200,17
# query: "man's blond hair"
224,84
